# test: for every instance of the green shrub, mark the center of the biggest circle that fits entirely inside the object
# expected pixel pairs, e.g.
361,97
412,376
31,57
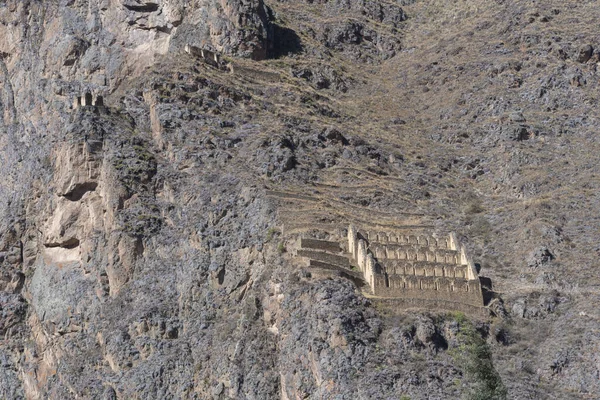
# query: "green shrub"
281,248
473,355
271,233
459,317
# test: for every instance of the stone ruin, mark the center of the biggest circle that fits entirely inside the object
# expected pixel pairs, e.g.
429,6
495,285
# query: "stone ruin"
208,56
88,100
419,267
214,59
416,270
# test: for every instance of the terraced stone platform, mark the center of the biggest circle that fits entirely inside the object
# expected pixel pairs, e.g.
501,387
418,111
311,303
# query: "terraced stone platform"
395,257
416,267
328,256
407,271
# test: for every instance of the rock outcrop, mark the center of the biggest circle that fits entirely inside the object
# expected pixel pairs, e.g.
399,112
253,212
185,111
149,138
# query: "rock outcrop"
148,197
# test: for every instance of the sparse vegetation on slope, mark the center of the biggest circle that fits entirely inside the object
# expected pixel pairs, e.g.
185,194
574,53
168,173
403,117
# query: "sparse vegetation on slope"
141,253
474,357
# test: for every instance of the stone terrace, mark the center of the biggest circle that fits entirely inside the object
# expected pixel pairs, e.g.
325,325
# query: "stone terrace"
394,257
423,268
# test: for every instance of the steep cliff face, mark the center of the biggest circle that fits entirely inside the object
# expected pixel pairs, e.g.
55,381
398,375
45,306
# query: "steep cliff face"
142,257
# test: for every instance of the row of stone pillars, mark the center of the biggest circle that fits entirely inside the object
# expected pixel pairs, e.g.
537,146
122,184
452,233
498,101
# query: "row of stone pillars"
364,259
88,100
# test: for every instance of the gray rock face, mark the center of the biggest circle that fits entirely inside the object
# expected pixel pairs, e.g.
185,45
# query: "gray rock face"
240,28
540,257
585,53
141,256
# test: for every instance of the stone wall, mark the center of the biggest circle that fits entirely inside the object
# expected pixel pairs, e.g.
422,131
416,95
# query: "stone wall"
423,240
325,257
429,288
329,256
88,100
465,259
343,271
422,270
208,56
320,245
415,252
418,267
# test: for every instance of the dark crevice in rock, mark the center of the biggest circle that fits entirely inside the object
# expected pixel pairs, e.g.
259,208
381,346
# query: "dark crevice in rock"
285,42
77,193
163,29
71,243
148,7
221,276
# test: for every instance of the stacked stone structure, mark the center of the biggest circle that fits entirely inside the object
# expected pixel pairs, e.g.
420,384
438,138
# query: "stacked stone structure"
416,267
88,100
328,256
208,56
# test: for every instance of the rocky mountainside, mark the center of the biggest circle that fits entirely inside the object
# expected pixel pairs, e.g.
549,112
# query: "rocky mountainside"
143,255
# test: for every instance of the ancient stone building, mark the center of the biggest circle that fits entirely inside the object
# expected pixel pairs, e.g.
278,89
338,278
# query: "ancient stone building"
414,270
88,100
208,56
415,267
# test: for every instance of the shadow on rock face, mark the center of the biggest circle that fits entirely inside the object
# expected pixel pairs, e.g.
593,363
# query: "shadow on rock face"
487,290
285,42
